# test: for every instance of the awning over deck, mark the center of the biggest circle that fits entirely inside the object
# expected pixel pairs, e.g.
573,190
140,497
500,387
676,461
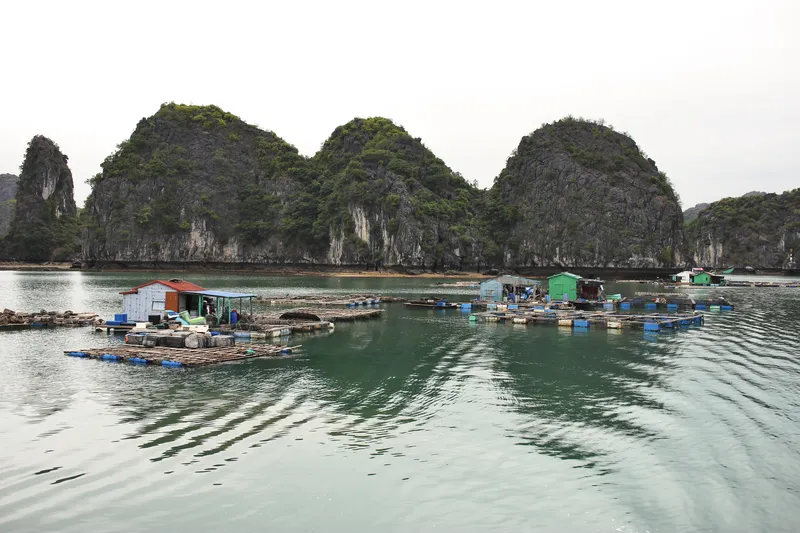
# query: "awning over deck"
221,294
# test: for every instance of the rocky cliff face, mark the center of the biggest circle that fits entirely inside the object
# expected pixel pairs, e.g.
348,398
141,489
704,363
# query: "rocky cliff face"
691,213
44,225
576,193
8,193
194,183
386,199
757,230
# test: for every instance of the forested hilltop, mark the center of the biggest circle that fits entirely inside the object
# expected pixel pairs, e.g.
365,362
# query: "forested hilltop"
578,193
8,193
757,230
194,183
43,223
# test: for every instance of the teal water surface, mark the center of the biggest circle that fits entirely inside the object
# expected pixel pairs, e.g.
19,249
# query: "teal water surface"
417,421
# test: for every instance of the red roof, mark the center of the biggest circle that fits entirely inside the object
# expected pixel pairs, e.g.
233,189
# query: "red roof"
178,285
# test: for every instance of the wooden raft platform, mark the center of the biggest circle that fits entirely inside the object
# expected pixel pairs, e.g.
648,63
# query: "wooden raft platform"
176,357
348,300
647,322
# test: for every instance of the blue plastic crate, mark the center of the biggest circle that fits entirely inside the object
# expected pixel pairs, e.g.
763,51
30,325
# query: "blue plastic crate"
121,317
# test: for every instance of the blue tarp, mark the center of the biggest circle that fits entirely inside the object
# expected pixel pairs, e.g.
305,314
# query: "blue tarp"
221,294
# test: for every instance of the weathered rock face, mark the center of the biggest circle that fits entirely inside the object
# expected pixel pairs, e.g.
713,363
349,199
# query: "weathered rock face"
691,213
196,184
8,193
193,184
44,225
386,199
758,230
577,193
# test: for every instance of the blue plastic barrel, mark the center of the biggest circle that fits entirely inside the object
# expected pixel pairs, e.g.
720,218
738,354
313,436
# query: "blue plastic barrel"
650,305
171,363
608,306
580,323
726,307
625,305
651,326
234,317
672,306
700,307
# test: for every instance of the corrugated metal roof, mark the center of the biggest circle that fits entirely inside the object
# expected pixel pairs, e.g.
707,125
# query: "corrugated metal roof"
514,280
569,274
178,285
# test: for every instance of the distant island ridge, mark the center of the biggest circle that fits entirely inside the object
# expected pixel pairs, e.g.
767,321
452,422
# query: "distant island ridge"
196,187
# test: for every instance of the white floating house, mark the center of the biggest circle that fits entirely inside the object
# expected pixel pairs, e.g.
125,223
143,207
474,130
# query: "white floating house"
155,297
504,288
151,299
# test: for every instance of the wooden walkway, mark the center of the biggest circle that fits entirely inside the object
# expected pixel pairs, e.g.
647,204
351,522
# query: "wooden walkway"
314,314
176,357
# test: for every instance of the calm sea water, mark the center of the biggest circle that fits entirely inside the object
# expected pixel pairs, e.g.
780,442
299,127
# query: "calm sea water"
418,421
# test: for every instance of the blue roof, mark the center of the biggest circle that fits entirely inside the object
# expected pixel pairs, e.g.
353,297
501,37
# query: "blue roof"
221,294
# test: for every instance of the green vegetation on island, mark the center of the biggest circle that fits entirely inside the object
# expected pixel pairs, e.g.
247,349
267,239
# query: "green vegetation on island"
44,226
757,230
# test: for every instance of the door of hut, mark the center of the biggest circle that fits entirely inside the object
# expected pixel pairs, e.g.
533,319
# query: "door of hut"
172,301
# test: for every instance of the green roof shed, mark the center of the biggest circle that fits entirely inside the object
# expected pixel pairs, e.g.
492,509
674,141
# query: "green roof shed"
563,286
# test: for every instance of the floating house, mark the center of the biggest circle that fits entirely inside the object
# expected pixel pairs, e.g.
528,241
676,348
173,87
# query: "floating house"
698,277
571,287
149,301
707,278
512,288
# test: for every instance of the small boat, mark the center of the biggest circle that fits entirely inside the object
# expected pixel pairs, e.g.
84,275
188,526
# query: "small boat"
726,271
433,303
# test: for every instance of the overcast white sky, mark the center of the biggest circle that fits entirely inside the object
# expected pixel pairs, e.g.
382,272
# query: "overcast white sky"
709,89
